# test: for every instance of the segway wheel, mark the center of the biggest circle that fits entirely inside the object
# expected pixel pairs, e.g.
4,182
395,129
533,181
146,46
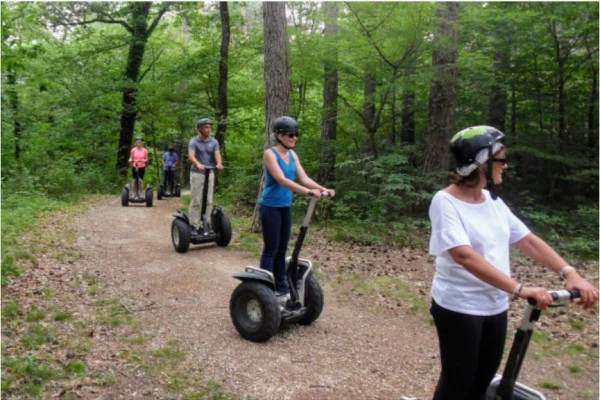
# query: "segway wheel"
125,197
180,235
255,311
159,194
224,230
149,197
313,300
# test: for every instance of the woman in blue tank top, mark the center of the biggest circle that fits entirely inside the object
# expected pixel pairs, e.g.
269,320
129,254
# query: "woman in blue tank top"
282,168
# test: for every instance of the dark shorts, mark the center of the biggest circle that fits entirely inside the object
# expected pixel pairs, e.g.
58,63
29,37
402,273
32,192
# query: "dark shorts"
139,173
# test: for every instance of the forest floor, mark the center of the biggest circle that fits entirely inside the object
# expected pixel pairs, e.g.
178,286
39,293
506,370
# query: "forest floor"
169,328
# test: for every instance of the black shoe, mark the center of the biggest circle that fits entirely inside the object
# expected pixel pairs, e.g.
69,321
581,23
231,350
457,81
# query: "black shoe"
194,231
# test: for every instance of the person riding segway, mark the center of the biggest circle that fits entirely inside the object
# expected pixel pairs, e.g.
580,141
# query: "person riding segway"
205,223
138,158
168,187
290,282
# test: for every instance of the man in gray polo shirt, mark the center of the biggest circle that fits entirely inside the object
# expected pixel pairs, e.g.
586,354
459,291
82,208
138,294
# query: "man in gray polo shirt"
203,152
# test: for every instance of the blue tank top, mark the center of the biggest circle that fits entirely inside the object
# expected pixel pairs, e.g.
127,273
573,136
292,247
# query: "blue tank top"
274,194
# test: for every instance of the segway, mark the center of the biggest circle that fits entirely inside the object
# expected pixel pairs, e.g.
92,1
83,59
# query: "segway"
506,387
135,194
163,189
218,231
254,307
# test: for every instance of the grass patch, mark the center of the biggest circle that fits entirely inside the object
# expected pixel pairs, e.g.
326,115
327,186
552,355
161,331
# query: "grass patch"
551,385
62,316
394,289
76,367
34,314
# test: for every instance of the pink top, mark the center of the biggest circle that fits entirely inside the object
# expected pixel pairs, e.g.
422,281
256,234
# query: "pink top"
139,155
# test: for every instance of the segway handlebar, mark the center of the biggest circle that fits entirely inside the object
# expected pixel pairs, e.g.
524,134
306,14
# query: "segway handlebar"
559,297
323,194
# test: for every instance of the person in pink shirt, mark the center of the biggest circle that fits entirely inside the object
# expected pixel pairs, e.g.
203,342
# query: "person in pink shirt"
138,159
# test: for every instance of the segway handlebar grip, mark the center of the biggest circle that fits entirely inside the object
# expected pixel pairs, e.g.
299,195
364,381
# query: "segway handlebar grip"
323,194
560,297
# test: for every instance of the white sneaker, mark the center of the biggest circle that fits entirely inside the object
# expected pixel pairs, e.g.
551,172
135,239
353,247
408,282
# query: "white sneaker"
282,299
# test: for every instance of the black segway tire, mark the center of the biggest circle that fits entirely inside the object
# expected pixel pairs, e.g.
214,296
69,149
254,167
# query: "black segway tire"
180,235
313,300
159,193
224,230
125,197
255,312
149,197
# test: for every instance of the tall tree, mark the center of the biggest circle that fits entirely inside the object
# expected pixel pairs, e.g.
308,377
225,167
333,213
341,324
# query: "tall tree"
223,76
140,33
330,95
442,96
276,74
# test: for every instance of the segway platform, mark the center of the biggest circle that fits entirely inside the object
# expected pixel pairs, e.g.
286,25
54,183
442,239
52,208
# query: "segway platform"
254,307
147,198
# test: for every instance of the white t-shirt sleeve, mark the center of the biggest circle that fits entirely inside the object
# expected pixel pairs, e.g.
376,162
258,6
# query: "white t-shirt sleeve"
518,230
447,230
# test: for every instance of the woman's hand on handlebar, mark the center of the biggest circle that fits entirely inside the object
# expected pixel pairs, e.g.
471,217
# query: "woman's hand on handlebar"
539,294
589,293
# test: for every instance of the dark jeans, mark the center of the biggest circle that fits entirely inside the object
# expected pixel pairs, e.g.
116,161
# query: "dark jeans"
276,228
470,350
169,180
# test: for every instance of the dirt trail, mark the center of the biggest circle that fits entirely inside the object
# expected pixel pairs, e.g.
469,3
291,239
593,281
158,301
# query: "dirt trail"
355,350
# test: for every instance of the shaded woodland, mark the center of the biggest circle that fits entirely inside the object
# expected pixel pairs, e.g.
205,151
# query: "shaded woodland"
378,88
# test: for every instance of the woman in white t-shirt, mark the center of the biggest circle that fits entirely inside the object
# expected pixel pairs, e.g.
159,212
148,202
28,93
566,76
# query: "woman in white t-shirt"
471,232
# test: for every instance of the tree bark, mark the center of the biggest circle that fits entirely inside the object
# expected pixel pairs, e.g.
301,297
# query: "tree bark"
14,106
442,97
222,110
276,75
407,134
369,115
330,95
140,32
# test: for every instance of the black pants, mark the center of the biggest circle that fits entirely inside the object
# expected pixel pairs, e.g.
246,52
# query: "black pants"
471,349
169,180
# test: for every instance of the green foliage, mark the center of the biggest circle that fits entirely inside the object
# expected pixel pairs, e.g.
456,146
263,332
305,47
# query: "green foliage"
572,232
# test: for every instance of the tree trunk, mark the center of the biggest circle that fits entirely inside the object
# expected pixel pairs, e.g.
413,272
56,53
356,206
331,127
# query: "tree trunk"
140,32
593,114
14,106
369,115
330,95
276,75
223,76
407,134
442,97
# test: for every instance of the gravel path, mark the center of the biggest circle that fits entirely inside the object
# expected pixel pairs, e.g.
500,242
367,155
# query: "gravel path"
357,349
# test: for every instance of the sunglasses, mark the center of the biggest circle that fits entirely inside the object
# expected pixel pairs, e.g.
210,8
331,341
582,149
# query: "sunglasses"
292,135
502,161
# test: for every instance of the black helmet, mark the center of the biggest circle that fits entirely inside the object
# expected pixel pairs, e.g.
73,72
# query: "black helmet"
171,148
139,139
473,146
285,124
202,122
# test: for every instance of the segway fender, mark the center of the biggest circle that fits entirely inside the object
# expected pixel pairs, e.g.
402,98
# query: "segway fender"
252,274
180,215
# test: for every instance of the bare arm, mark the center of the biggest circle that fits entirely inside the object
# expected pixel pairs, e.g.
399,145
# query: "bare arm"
271,162
482,269
192,157
218,160
537,249
307,181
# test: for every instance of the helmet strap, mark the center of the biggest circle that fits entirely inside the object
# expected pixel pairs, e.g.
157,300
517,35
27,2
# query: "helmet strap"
489,175
280,142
